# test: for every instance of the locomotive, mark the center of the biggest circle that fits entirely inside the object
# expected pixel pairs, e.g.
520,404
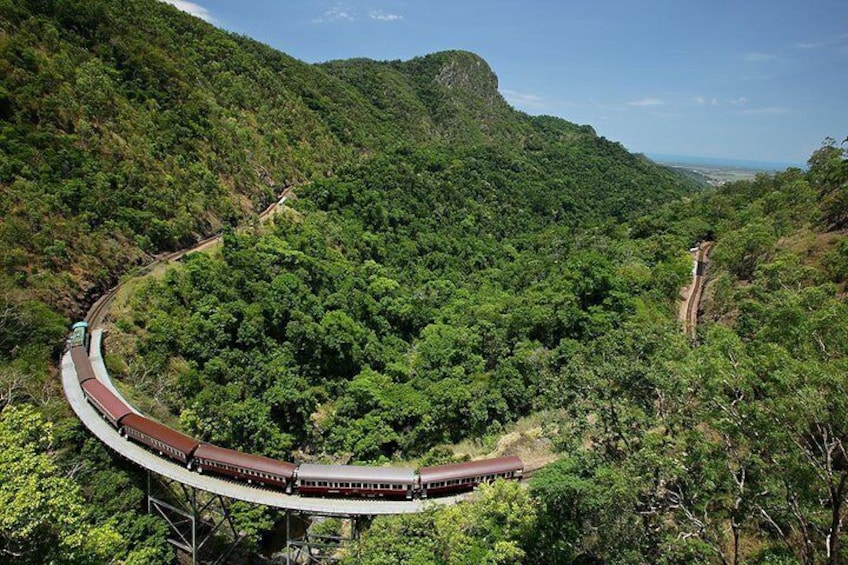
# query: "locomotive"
305,478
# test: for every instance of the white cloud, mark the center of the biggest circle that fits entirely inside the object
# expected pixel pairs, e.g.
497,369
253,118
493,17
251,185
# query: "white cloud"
738,101
773,110
668,114
383,16
822,42
337,13
524,99
646,102
714,101
699,100
755,57
194,9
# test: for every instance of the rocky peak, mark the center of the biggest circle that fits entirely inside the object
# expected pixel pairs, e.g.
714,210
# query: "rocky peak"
465,71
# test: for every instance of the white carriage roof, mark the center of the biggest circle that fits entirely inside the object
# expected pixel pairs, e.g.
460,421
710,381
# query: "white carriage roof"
354,473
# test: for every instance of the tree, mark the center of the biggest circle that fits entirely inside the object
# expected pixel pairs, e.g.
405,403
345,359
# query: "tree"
829,174
493,528
42,514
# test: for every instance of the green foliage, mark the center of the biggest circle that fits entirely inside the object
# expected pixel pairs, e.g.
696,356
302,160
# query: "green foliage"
393,310
408,538
745,247
450,266
42,514
491,529
829,174
732,452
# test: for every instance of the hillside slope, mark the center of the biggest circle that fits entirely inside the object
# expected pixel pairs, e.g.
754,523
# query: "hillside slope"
133,129
129,129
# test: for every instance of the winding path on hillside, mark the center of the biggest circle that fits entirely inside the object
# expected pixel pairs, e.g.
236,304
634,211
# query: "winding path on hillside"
134,452
693,292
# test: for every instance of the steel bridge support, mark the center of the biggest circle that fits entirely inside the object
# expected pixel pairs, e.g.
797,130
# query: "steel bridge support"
310,546
193,521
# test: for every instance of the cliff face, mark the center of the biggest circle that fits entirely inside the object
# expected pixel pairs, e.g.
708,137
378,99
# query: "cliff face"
467,72
461,91
447,96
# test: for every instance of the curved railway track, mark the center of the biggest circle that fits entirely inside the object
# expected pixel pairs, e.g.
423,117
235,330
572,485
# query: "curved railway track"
693,301
232,489
214,484
100,308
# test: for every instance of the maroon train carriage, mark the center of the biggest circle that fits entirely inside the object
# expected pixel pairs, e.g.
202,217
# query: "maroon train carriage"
109,405
161,438
243,466
351,480
82,365
457,477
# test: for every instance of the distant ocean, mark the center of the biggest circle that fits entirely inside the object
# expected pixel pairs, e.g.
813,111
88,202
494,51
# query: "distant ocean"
746,164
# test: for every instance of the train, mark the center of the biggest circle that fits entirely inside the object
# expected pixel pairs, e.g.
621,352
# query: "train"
305,479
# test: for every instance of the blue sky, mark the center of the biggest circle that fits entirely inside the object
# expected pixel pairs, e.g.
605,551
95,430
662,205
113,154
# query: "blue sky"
743,79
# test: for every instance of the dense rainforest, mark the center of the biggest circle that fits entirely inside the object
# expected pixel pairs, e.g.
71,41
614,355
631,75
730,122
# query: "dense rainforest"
449,269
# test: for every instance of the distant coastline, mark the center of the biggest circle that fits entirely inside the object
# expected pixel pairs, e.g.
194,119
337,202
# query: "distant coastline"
717,162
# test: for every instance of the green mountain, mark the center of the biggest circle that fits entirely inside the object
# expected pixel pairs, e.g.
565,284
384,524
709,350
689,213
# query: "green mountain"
445,259
132,129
